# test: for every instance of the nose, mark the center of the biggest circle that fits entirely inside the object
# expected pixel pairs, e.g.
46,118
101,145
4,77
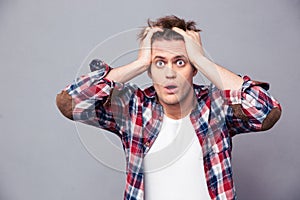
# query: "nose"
169,72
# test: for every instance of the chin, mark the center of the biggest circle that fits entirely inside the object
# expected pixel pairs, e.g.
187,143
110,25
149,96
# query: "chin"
171,101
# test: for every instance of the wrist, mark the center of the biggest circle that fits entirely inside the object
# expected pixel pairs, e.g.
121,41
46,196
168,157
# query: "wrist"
141,64
201,61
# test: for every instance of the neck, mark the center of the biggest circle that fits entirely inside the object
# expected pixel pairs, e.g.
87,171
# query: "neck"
181,109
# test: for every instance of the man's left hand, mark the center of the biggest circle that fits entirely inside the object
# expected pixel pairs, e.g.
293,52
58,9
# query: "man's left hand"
193,43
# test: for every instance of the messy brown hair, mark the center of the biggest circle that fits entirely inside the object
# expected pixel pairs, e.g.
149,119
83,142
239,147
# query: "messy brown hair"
167,23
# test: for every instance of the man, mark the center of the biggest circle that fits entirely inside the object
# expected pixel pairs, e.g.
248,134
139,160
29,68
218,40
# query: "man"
150,122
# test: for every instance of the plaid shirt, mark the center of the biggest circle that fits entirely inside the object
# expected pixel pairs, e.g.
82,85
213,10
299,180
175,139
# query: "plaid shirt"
135,115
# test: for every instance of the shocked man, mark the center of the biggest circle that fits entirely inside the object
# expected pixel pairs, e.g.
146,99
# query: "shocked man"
176,135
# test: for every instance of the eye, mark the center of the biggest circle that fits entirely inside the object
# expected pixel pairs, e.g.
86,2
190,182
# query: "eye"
160,63
180,63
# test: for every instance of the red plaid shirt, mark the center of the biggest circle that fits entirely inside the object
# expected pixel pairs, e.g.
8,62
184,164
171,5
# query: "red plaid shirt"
135,115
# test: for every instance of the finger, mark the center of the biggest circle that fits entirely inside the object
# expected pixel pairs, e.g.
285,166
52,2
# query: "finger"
146,31
180,31
195,35
187,35
150,31
200,39
155,29
192,35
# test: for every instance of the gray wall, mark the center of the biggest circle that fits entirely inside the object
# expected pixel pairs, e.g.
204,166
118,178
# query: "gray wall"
44,43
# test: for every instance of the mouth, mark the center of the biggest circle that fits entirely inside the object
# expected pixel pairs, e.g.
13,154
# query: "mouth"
171,89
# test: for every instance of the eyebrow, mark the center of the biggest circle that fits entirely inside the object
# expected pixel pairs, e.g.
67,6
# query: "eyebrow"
176,57
159,57
179,56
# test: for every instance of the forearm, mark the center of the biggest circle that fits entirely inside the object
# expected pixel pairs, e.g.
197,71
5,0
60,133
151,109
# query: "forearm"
126,72
135,68
221,77
260,114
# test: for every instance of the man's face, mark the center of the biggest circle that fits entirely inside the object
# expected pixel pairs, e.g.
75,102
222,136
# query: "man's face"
171,72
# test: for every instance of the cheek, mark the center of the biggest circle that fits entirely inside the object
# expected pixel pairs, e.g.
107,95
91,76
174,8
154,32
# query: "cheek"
156,75
186,76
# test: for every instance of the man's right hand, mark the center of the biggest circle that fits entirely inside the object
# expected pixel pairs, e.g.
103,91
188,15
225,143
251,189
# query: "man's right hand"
140,65
144,56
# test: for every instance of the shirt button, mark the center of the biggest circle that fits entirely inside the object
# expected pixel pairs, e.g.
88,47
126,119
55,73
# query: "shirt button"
147,144
160,118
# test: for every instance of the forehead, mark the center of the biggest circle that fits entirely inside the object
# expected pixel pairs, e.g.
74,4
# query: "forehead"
167,48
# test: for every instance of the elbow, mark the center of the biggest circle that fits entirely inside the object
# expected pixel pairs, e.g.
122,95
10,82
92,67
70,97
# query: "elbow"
271,119
64,103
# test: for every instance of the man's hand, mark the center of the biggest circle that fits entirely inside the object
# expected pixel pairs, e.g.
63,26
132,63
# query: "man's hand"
218,75
144,56
193,44
140,65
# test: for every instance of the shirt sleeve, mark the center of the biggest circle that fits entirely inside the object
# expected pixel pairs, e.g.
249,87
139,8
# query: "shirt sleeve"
251,108
98,101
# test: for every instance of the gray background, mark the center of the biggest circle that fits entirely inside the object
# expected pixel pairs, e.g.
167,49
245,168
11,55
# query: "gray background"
43,43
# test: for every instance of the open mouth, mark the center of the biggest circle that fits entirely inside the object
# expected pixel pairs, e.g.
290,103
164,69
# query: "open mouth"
170,87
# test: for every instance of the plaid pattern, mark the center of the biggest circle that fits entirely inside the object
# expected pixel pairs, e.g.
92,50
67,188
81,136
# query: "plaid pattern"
136,116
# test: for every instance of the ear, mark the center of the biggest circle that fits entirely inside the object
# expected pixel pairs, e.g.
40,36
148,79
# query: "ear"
149,72
195,71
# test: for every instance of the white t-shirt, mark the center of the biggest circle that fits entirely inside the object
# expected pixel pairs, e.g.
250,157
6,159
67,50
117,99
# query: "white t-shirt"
173,167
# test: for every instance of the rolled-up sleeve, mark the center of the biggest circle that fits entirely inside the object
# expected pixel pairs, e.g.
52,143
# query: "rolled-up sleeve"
251,108
98,101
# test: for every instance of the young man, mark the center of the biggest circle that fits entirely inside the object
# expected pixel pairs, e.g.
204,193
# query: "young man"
174,115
